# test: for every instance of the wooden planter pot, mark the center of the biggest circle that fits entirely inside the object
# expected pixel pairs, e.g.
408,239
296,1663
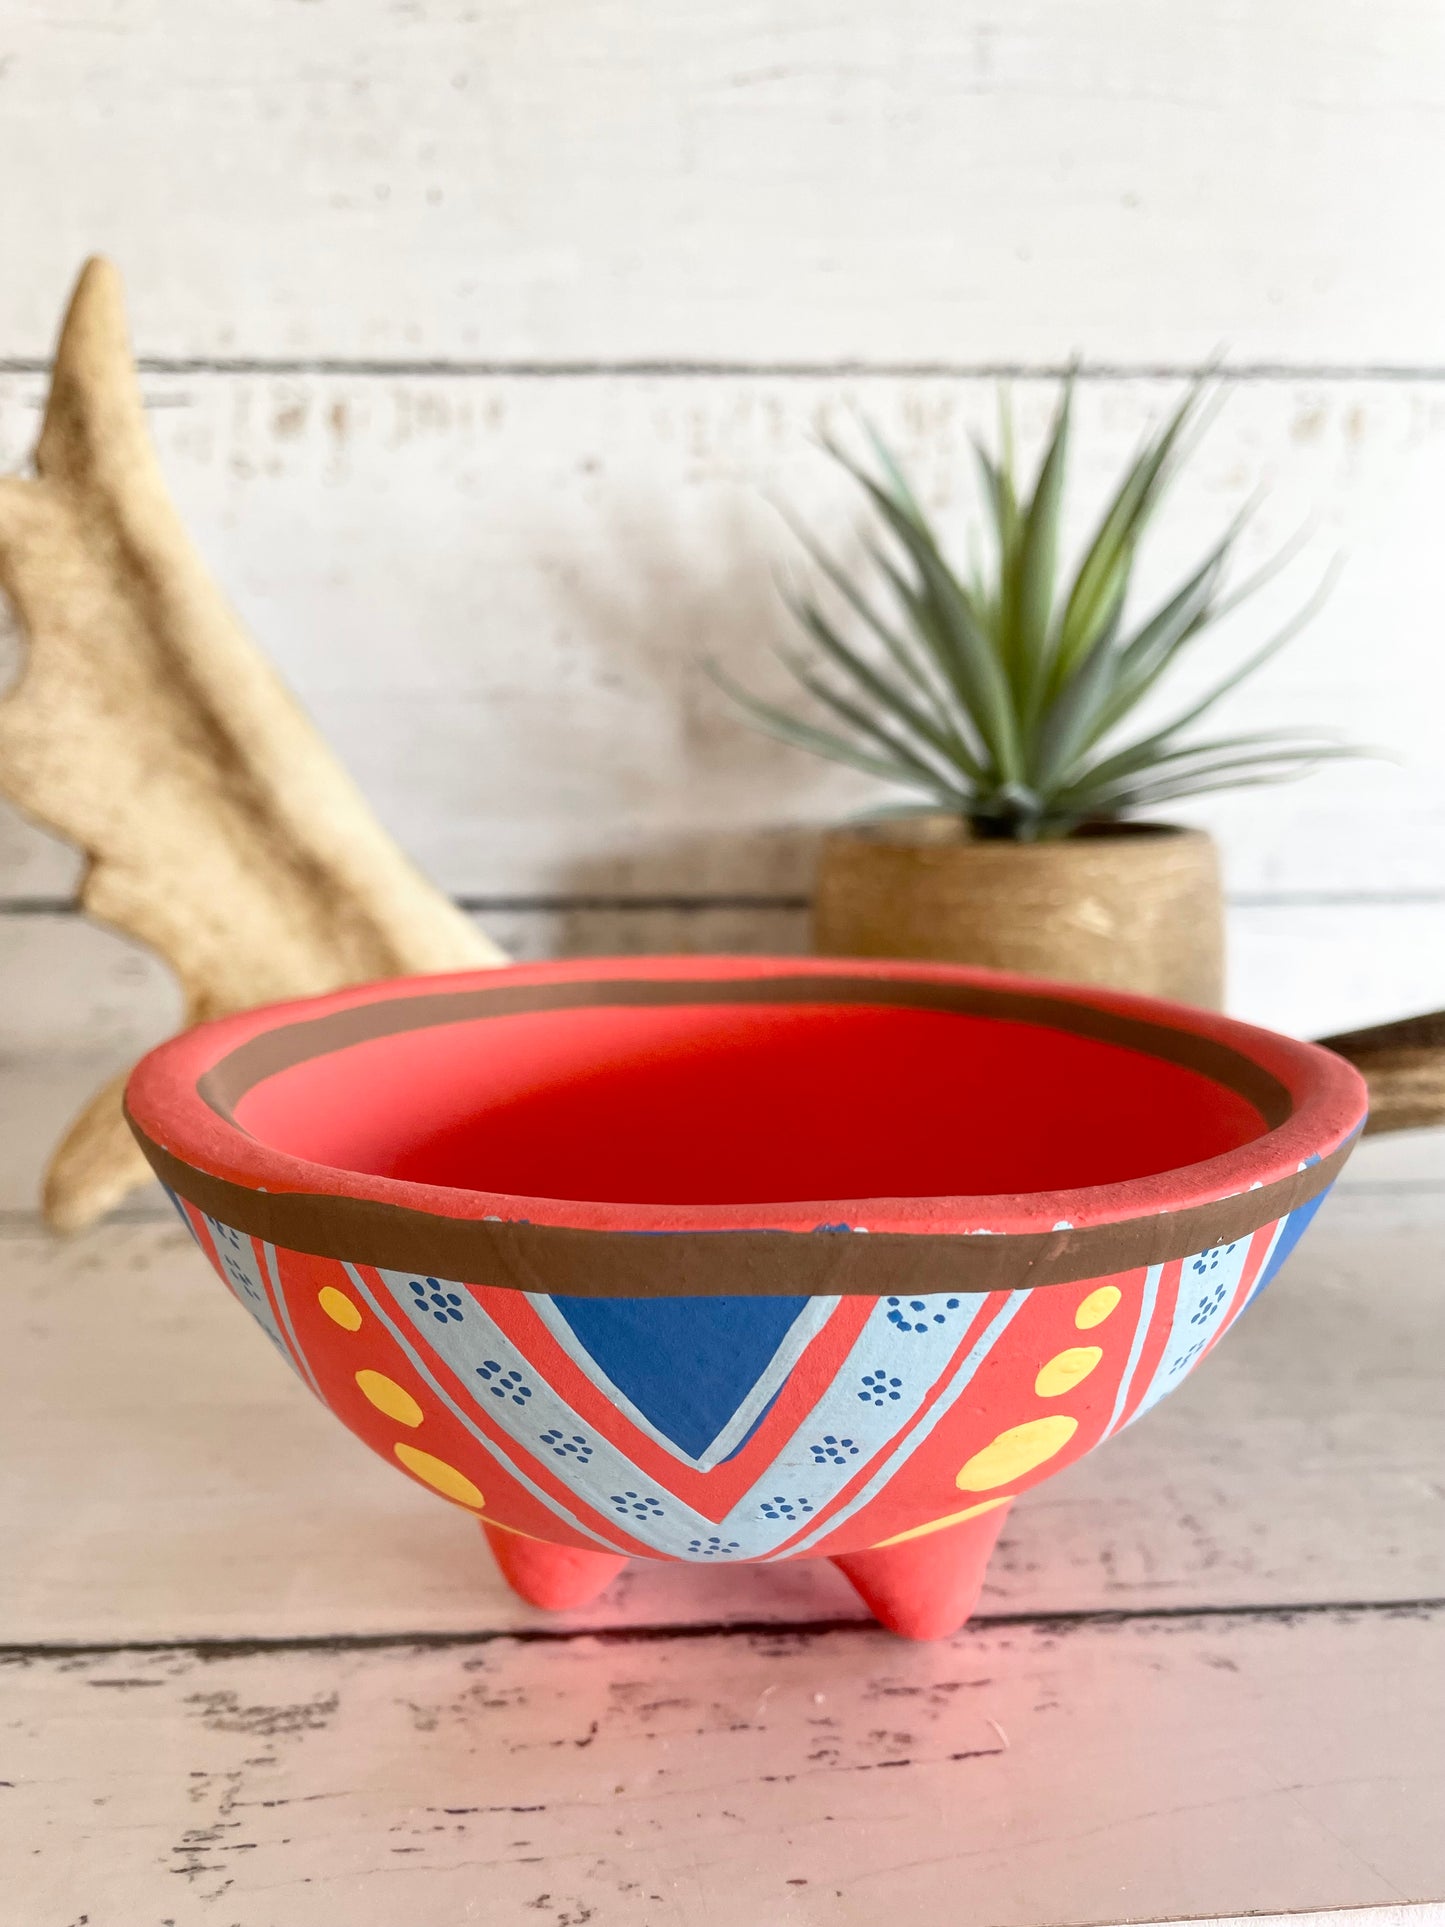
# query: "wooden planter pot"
1135,906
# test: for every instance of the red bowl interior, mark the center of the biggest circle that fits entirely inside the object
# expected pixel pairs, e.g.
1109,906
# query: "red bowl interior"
713,1093
708,1104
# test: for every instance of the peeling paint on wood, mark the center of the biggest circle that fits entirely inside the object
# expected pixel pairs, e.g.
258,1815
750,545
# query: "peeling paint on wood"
1052,1773
823,182
496,597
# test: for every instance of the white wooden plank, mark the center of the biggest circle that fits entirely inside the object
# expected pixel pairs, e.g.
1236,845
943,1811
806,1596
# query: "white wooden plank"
496,596
1301,968
819,181
38,1099
169,1479
1029,1774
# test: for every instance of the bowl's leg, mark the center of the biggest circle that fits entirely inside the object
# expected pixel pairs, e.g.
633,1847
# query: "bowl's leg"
926,1587
557,1577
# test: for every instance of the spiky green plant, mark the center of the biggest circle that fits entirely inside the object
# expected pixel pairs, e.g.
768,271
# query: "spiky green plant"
1003,697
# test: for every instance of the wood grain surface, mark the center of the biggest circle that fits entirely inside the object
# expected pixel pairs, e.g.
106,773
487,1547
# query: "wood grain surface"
1072,1774
496,595
477,179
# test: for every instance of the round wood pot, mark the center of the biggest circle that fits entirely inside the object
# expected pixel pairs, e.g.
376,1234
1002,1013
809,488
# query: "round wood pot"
1135,906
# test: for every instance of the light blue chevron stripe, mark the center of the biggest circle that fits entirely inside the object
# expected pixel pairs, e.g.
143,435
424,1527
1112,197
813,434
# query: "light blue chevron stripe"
890,1370
535,1416
892,1367
957,1386
465,1419
1207,1284
238,1261
538,1418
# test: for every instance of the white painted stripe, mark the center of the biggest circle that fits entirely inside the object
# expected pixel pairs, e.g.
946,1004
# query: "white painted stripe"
793,1485
1148,1299
237,1259
1263,1272
1208,1282
273,1273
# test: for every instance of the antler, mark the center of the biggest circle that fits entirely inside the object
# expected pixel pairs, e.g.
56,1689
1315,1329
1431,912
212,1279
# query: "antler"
1404,1065
218,827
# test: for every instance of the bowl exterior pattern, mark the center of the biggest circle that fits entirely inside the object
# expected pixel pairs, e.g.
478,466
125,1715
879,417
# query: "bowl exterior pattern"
747,1428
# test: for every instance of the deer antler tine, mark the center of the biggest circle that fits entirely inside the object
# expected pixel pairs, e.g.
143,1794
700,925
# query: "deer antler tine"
94,415
218,827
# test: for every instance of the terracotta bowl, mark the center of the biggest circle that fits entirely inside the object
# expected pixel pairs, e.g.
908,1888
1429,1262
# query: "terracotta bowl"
744,1259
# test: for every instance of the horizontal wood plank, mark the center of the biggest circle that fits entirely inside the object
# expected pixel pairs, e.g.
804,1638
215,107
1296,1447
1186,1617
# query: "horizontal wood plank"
1069,1775
497,597
811,183
169,1479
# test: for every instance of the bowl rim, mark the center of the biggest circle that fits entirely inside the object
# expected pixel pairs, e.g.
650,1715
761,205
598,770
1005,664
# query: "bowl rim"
180,1097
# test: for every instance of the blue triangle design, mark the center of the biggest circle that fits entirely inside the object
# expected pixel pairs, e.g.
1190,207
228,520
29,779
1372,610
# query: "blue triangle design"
687,1364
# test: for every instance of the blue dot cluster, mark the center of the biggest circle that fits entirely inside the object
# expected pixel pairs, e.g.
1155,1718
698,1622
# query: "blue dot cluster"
637,1505
879,1388
1209,1260
780,1508
503,1384
899,1311
1209,1305
443,1305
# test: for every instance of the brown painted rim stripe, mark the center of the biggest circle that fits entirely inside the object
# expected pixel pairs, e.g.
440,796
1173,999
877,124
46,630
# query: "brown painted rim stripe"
558,1259
228,1080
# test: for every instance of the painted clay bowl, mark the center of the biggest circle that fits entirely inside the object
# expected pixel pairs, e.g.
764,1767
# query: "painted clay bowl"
742,1259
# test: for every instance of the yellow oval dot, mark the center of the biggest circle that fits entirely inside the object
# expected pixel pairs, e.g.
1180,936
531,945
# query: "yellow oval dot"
437,1473
1015,1452
1067,1369
937,1525
389,1397
1096,1307
339,1308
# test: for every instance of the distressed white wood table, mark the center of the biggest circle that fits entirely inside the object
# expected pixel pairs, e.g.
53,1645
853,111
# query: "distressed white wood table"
253,1679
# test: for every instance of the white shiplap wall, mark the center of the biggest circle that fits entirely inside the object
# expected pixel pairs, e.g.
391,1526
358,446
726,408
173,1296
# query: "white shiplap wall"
479,335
